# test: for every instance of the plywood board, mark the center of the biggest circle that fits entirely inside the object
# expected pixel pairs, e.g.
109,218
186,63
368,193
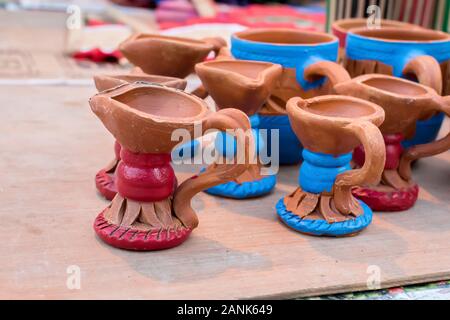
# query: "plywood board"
52,146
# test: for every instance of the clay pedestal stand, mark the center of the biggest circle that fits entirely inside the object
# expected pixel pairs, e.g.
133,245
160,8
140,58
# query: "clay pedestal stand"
307,59
404,102
150,212
330,127
244,85
104,179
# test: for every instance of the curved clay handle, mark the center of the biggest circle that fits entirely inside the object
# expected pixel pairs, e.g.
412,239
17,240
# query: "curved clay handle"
427,70
333,71
221,120
428,149
216,42
370,173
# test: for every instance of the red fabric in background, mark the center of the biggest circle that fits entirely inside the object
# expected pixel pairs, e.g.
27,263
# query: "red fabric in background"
258,16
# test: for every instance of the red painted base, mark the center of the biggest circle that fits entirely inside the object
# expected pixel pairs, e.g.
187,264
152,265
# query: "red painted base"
105,184
398,200
124,238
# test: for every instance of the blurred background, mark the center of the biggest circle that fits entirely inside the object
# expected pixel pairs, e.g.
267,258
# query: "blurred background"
66,41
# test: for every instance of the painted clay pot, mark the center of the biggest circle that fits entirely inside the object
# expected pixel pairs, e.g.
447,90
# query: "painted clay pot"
151,211
167,55
104,179
404,102
244,85
330,127
307,57
420,53
340,28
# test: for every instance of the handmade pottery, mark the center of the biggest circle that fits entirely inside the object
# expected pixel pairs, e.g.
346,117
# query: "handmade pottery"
244,85
330,127
151,211
341,27
306,58
105,178
167,55
404,102
419,53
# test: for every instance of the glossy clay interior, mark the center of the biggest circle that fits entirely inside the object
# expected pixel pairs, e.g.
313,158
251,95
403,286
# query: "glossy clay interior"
403,34
285,37
160,102
339,108
248,69
395,86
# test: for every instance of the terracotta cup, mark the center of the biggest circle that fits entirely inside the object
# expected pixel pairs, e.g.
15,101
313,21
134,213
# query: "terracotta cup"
244,85
151,211
167,55
340,28
105,178
404,102
422,53
307,57
330,127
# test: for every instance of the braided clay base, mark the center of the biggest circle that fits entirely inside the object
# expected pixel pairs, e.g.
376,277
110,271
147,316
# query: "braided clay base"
143,226
389,199
315,214
250,184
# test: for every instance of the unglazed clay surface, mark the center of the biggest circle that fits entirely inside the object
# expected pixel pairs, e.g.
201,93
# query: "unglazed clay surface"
103,82
104,179
142,117
240,84
330,127
167,55
244,85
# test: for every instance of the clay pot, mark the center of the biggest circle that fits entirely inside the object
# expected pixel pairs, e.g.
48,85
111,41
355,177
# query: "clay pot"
404,102
307,57
167,55
105,178
330,127
340,28
245,85
150,211
420,53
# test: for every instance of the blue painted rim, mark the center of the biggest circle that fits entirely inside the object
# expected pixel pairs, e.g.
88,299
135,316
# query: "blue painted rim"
394,53
297,56
250,189
322,227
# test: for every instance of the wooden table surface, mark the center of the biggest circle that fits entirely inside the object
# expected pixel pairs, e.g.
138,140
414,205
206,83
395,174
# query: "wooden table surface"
52,145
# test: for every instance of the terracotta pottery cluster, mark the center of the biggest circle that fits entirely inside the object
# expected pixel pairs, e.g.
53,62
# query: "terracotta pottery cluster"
356,136
157,60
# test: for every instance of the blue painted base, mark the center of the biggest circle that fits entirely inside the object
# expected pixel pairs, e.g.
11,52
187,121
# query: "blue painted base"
426,131
290,148
322,227
182,152
244,190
